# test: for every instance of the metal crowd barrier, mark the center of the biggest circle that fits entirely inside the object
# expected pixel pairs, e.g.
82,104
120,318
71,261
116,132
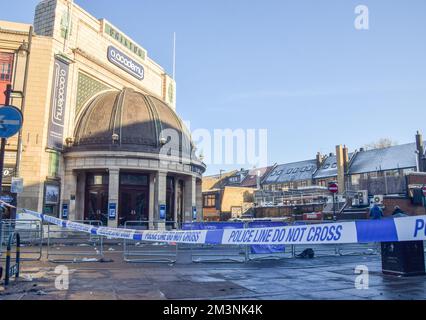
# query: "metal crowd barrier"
31,236
272,252
149,252
205,253
359,249
320,250
71,246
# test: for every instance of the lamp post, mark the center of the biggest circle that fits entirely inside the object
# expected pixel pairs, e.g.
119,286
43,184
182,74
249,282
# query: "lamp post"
27,49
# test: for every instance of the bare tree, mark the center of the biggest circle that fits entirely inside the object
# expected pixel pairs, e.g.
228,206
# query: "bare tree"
380,144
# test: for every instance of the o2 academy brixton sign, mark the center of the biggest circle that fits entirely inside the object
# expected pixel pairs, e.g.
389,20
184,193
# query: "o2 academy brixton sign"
125,63
58,105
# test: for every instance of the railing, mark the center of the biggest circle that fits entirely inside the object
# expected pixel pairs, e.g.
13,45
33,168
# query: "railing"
271,252
71,246
65,245
31,236
205,253
148,252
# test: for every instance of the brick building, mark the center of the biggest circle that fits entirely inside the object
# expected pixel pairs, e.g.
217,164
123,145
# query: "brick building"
231,195
383,175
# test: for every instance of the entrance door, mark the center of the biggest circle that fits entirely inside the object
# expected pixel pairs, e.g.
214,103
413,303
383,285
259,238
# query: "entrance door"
134,198
133,205
97,205
96,199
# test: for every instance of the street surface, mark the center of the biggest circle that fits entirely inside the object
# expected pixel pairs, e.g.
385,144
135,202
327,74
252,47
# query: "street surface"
327,277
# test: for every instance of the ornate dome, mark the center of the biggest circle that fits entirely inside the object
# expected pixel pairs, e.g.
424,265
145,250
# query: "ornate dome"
131,121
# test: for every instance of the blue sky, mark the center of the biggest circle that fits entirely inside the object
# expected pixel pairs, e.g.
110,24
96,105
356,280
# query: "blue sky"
298,68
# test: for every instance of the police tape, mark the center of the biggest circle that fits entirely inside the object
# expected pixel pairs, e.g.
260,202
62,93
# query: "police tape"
386,230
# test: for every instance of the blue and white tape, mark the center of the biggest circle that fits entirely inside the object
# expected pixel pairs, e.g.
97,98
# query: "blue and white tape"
386,230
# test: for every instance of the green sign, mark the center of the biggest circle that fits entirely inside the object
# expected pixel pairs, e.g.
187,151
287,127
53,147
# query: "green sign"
118,36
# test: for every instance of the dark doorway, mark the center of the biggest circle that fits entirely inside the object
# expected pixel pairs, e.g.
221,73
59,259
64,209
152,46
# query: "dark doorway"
170,202
134,198
96,200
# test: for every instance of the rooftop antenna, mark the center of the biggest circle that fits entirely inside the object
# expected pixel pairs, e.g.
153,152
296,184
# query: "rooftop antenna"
174,55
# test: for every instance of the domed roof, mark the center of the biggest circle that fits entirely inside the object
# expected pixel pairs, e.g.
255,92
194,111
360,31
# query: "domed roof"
131,121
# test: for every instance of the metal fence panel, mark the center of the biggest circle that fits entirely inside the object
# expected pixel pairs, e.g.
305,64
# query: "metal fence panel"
149,252
272,252
359,249
71,246
31,235
205,253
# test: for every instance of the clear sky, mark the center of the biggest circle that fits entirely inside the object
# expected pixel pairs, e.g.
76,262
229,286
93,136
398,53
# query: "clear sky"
298,68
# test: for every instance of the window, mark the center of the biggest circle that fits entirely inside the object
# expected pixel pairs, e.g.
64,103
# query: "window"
392,173
6,62
373,175
97,179
303,183
234,180
209,201
407,171
5,74
355,179
130,179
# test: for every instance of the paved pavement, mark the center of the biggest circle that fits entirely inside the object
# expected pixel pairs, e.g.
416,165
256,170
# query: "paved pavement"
322,278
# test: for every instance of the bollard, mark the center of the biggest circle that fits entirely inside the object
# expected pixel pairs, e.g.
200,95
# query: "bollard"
12,270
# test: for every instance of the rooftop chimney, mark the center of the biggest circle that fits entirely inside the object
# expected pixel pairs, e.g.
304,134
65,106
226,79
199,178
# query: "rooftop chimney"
345,158
340,168
320,160
421,151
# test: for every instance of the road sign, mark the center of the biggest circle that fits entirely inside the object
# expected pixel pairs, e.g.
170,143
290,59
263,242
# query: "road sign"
112,211
11,121
65,211
163,209
424,191
333,188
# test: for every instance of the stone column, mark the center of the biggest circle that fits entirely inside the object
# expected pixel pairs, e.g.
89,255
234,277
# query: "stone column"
113,194
199,200
151,210
160,197
69,194
175,213
189,198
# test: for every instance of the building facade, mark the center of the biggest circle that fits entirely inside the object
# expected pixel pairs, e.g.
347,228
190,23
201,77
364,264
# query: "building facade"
101,138
231,195
382,175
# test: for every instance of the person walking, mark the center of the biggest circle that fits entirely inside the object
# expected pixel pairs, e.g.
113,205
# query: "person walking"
376,213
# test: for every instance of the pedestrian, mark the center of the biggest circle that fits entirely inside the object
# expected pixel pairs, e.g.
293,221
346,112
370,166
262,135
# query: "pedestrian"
376,213
398,213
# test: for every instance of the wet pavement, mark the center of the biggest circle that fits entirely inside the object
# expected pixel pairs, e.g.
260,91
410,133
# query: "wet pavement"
322,278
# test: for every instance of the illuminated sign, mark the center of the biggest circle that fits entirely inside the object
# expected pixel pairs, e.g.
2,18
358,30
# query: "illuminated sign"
126,63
